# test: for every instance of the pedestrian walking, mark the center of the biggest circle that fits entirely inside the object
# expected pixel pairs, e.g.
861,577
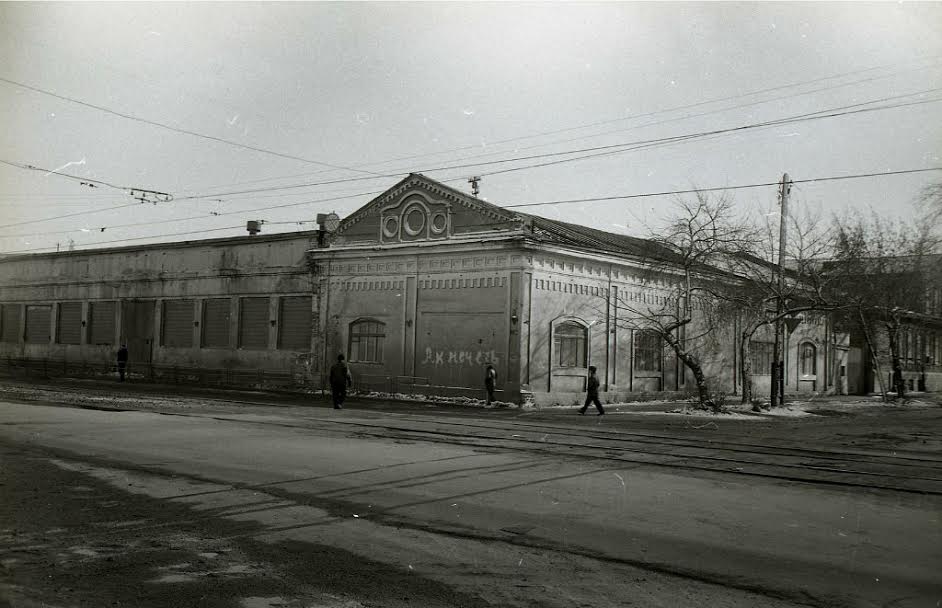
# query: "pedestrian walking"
490,381
592,393
340,379
122,358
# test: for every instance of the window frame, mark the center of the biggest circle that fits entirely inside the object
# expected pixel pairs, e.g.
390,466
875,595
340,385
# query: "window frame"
803,348
652,352
376,337
570,337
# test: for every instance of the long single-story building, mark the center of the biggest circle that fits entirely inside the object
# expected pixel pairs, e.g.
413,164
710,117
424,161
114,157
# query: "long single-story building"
420,289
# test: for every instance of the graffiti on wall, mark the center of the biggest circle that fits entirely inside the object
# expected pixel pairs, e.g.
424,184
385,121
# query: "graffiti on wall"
460,358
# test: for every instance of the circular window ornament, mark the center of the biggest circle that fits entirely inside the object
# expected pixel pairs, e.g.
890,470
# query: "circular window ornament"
414,221
438,223
390,227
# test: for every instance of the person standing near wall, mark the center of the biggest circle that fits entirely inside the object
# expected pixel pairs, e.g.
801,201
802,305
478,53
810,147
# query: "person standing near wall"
122,359
340,379
592,392
490,382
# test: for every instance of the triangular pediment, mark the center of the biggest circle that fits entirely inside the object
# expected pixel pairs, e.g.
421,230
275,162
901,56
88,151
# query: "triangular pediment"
421,209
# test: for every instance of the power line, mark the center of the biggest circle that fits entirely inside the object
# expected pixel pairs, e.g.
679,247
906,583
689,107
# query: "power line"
775,122
516,206
722,188
648,114
178,130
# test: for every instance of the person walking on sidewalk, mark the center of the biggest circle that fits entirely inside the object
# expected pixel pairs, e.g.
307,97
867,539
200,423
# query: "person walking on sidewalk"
490,382
592,393
340,379
122,359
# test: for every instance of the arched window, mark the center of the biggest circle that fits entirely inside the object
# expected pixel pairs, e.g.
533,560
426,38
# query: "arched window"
808,359
569,344
366,341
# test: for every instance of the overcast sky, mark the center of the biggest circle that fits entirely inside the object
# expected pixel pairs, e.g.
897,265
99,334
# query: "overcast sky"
389,88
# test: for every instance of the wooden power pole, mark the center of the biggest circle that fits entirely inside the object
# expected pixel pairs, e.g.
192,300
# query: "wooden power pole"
778,360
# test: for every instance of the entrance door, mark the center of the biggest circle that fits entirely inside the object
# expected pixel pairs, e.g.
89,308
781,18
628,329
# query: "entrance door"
137,330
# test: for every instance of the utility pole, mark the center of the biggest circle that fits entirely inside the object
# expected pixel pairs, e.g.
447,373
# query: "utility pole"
778,360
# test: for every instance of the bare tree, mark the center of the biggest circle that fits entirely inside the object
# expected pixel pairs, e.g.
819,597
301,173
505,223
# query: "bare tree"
685,266
753,296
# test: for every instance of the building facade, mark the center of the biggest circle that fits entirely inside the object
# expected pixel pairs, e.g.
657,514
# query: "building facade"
419,289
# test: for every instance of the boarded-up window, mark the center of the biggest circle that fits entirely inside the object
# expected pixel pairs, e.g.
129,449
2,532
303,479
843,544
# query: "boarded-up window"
762,354
253,323
69,323
177,323
216,323
648,351
37,324
101,317
294,330
367,341
10,322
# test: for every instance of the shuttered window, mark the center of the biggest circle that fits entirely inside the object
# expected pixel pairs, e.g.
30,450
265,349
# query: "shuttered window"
177,323
69,323
10,322
253,323
101,323
216,323
37,324
294,330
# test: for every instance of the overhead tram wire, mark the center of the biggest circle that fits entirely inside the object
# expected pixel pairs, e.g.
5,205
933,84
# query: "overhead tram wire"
179,130
608,150
545,203
722,188
648,114
605,150
834,112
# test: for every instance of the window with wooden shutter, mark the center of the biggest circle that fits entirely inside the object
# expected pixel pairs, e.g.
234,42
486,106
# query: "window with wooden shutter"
101,318
216,323
253,323
37,324
177,323
294,329
69,323
10,322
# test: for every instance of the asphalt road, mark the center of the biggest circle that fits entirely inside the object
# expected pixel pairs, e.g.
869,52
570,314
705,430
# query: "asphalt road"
208,502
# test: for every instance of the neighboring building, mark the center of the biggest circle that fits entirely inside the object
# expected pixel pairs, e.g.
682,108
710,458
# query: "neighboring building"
908,291
420,289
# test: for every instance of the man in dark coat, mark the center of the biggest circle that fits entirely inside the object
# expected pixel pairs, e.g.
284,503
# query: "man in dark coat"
122,358
490,382
592,392
340,379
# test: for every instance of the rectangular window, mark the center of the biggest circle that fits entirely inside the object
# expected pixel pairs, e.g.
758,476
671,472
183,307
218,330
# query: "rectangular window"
10,322
367,340
37,324
294,329
762,355
177,326
101,318
647,351
569,344
69,323
253,323
216,323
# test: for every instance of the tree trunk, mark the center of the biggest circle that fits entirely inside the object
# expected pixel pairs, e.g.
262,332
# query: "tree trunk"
745,366
873,353
892,331
693,364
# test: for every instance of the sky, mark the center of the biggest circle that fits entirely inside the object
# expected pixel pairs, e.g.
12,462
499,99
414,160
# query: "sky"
322,106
